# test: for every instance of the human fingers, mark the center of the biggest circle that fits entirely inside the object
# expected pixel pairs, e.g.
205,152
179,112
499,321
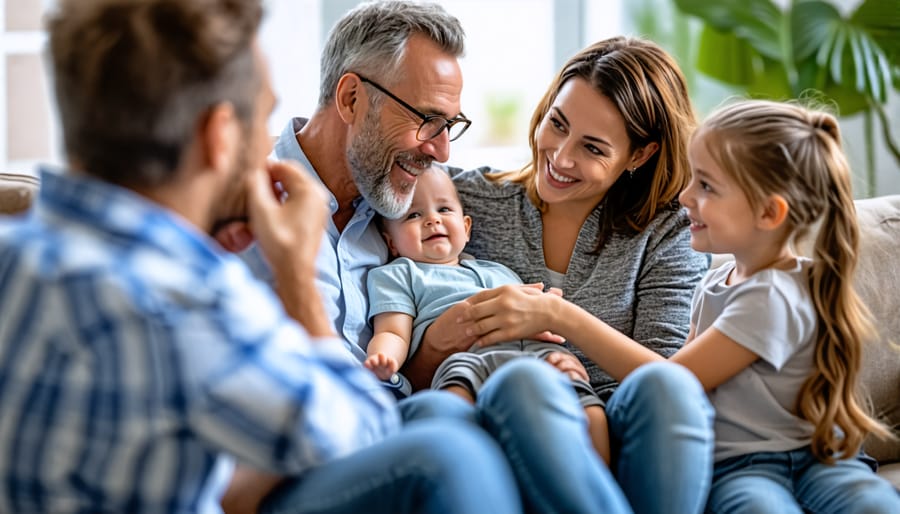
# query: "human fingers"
234,236
288,228
568,364
260,199
510,314
382,365
294,184
548,337
555,291
445,334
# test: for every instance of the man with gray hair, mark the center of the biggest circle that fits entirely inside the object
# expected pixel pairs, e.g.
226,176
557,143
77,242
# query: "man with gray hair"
388,109
389,106
138,359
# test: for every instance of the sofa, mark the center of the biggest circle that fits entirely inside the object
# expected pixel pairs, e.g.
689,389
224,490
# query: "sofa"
16,192
877,280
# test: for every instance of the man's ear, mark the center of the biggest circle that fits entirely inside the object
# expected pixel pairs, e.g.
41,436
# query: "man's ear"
219,135
347,96
467,221
773,212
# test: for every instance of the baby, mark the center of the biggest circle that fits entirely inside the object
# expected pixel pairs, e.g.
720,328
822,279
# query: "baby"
429,275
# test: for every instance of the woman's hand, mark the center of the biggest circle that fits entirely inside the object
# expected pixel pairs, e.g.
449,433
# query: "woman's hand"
446,336
508,313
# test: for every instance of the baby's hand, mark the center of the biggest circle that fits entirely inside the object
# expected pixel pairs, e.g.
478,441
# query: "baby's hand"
382,365
548,337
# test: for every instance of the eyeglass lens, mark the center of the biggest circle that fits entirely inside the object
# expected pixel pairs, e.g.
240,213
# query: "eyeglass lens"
432,127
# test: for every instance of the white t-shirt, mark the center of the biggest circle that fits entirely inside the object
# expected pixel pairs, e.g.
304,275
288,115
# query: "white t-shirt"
771,314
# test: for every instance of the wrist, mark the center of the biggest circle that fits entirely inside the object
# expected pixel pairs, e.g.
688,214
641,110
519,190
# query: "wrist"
558,316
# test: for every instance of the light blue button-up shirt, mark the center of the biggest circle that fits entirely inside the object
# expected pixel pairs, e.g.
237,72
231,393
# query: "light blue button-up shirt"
344,259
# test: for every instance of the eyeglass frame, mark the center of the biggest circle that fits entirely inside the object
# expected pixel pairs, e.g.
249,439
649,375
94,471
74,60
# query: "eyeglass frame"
426,118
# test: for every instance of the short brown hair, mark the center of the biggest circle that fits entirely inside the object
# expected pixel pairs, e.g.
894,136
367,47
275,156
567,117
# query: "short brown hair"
133,78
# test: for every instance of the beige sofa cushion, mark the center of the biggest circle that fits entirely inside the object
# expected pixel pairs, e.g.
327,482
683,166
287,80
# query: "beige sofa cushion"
17,192
878,283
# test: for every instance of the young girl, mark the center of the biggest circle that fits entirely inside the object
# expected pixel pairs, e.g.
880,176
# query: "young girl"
775,338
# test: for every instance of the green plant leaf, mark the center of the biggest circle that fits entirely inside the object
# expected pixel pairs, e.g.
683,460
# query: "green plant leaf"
771,82
726,57
834,59
757,21
854,59
881,20
812,24
810,50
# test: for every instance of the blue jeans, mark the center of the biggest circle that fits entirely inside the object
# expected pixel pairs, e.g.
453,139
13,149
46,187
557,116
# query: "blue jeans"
432,465
795,482
661,435
661,431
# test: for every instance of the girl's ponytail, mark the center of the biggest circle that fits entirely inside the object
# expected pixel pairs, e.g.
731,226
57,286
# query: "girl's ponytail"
785,149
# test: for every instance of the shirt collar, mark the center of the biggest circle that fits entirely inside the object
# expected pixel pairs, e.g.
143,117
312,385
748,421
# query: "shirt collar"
287,147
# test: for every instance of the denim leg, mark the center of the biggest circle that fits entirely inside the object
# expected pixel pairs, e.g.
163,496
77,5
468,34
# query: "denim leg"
849,486
432,466
753,484
429,403
660,424
532,410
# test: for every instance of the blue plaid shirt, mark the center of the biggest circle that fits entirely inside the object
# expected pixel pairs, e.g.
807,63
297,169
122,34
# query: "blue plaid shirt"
137,357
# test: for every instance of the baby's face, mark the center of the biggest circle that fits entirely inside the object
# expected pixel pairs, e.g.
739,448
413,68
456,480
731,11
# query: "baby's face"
434,229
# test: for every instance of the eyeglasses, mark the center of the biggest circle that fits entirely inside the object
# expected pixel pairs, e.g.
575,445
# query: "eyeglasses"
432,124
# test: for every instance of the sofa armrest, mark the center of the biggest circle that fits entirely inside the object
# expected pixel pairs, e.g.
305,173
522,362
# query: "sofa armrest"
17,192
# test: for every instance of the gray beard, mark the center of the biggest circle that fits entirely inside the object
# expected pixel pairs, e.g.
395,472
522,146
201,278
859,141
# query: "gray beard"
370,164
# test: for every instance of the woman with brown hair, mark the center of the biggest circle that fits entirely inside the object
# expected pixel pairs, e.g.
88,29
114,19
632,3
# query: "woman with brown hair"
595,213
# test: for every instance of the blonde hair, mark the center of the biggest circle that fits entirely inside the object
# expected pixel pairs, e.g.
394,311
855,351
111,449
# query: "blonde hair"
649,90
795,152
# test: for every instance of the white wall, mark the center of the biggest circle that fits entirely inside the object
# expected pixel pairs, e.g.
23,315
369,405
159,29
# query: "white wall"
514,49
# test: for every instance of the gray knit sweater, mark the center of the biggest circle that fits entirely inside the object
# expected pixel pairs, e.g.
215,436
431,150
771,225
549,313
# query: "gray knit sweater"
640,285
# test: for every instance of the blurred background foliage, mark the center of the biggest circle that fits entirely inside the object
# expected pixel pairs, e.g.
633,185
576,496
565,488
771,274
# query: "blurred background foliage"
804,49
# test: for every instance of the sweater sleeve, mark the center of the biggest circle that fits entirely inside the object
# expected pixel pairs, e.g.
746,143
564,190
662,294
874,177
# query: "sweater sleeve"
665,286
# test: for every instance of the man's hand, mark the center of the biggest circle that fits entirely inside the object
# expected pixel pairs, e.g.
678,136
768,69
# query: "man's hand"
288,223
441,339
234,236
288,226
